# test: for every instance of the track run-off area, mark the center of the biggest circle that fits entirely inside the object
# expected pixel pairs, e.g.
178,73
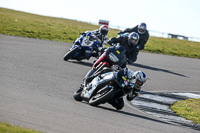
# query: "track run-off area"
37,86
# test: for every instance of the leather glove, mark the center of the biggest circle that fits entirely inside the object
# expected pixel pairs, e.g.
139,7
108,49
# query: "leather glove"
116,67
129,61
121,32
138,47
110,43
130,96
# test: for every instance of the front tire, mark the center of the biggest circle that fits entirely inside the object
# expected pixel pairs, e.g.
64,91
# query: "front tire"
102,96
69,54
77,95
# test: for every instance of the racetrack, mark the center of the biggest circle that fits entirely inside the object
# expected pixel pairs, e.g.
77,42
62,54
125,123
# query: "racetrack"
37,86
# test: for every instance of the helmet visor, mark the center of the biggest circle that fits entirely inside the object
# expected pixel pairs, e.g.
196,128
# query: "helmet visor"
142,30
133,41
104,32
139,83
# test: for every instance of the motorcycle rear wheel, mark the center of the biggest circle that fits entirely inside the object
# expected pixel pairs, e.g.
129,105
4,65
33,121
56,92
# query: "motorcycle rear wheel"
68,55
102,97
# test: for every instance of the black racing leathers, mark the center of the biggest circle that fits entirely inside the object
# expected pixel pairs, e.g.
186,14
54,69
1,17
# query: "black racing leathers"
143,37
131,51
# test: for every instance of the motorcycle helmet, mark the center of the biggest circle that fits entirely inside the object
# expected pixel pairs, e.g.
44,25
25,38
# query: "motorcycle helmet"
104,29
142,28
133,38
140,78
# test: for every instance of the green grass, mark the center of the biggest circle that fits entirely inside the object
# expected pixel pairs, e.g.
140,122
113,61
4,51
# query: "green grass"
8,128
58,29
189,109
41,27
173,47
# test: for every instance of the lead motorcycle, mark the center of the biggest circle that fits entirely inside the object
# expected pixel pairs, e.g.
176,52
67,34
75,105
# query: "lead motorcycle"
107,86
83,48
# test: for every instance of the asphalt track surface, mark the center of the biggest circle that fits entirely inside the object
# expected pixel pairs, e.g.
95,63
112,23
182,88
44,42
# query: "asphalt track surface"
37,86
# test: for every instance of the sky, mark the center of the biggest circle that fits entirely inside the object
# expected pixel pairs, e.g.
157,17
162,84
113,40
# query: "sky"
180,17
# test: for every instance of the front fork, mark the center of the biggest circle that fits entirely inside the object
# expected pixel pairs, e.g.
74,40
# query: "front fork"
75,46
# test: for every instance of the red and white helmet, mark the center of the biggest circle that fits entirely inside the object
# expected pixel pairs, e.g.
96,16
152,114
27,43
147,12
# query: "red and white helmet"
104,29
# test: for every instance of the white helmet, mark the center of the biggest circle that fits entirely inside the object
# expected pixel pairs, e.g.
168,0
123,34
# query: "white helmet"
142,28
133,38
140,77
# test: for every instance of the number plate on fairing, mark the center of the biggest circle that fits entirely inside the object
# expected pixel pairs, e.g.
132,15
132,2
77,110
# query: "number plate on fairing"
87,93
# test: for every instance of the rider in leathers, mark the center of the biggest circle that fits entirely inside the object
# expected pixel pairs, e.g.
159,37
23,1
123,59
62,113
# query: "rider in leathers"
138,77
101,37
142,32
129,43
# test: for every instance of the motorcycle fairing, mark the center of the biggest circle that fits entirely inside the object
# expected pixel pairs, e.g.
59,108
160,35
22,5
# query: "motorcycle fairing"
75,47
97,83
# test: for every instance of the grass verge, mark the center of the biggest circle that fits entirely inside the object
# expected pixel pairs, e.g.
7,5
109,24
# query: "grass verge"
8,128
189,109
58,29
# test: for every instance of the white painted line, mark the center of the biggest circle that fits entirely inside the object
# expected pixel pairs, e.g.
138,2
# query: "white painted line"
173,118
189,95
159,98
161,107
151,105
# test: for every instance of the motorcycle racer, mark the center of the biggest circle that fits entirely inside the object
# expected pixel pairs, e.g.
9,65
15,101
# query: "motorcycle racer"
129,43
125,77
142,31
101,37
138,78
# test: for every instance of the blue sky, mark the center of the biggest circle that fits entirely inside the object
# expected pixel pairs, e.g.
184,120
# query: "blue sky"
168,16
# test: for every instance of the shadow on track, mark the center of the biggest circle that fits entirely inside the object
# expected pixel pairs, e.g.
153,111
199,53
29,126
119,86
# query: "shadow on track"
158,69
81,63
135,65
126,113
132,115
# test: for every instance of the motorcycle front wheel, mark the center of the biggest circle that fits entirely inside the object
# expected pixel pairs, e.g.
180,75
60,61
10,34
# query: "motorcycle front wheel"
68,55
77,95
102,96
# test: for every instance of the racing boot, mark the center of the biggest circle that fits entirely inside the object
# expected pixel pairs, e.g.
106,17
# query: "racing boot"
118,103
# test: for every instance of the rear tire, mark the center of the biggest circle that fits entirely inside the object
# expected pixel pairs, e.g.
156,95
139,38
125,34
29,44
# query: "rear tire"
69,54
102,97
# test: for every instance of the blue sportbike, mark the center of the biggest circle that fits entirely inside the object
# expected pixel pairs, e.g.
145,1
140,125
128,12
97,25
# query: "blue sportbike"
83,48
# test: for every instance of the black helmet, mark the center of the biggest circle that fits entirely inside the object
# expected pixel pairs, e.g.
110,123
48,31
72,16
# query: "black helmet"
142,28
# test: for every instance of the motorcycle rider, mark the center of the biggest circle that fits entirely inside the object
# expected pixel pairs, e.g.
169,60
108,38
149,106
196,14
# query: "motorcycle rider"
129,43
101,36
142,32
138,78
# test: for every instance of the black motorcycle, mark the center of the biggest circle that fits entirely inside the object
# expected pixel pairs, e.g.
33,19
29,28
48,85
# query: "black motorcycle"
111,56
107,86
